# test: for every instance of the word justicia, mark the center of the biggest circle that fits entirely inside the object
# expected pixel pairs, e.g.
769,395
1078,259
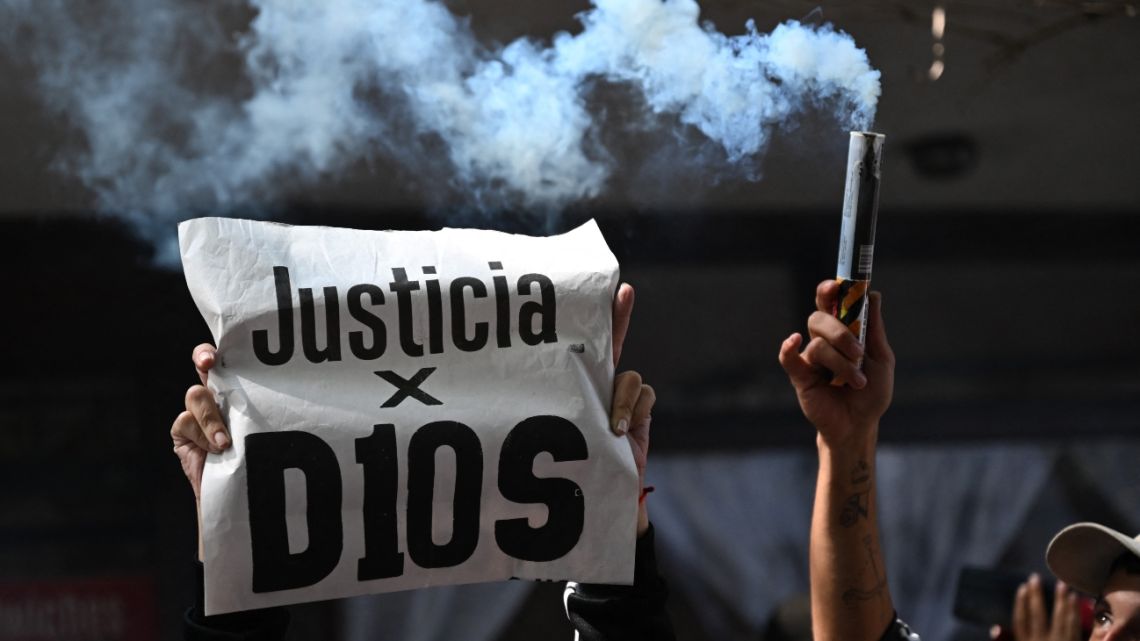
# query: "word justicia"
367,335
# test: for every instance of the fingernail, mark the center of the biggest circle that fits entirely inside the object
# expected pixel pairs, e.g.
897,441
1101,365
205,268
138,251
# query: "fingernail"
221,440
860,379
622,427
1034,579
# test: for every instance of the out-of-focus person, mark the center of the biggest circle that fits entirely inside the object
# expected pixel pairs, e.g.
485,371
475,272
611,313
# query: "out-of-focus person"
1104,563
1031,619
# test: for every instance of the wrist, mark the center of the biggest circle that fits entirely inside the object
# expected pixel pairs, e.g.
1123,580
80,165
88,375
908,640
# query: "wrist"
857,440
642,516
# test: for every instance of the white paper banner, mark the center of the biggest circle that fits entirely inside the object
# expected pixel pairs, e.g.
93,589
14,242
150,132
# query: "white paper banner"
407,409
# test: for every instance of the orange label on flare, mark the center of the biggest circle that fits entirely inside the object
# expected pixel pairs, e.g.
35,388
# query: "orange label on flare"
852,311
852,298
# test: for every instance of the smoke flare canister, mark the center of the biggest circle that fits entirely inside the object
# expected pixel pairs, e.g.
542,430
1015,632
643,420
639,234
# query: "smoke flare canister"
857,235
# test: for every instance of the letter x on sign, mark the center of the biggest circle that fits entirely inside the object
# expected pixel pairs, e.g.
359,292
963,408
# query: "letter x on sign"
410,387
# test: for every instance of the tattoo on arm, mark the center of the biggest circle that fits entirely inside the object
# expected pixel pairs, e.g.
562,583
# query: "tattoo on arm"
878,589
854,507
853,595
857,504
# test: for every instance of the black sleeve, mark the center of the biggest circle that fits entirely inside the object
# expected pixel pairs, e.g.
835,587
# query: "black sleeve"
621,612
898,630
268,624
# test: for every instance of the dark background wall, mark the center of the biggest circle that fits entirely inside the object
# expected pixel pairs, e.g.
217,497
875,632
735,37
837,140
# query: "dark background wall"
1007,254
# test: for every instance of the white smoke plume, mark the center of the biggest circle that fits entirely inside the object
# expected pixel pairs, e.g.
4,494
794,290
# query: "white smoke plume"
322,85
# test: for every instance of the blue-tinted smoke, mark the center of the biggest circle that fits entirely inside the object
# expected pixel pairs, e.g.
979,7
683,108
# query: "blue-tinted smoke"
326,84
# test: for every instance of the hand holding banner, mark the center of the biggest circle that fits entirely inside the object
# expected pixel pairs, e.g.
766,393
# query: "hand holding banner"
407,409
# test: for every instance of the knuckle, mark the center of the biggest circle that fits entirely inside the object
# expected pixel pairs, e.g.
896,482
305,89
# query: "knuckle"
827,326
195,395
788,349
828,352
814,349
648,392
825,295
212,422
176,426
818,318
846,345
631,378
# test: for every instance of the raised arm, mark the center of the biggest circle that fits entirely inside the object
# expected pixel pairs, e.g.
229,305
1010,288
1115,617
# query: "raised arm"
199,430
636,612
851,600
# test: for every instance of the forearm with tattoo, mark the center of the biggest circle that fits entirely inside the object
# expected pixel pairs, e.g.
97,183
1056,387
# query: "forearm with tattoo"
857,504
850,596
853,595
855,510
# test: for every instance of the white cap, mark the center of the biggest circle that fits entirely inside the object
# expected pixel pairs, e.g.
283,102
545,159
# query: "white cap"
1082,555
